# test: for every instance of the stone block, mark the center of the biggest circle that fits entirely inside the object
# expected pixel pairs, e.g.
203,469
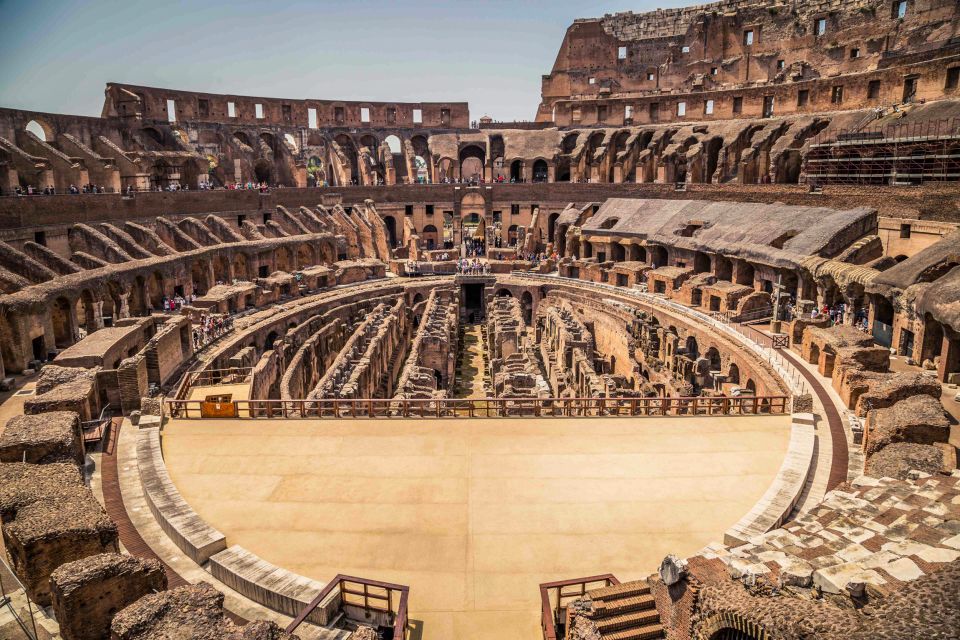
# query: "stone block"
87,593
919,419
49,518
195,612
56,436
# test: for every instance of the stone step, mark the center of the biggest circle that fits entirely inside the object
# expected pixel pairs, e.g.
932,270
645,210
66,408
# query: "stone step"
648,632
605,608
624,590
628,621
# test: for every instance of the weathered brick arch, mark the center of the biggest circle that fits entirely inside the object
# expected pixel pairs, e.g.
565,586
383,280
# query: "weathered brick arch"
732,621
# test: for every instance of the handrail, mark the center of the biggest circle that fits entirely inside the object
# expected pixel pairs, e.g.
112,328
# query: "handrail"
549,615
339,583
423,408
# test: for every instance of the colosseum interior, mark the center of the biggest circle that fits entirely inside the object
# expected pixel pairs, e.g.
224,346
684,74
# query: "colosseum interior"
678,359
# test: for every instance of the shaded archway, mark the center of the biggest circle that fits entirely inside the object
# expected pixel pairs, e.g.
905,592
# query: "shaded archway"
516,170
541,172
62,320
526,303
551,226
429,236
391,224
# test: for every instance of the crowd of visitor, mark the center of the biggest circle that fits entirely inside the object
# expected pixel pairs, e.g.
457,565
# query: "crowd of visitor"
209,328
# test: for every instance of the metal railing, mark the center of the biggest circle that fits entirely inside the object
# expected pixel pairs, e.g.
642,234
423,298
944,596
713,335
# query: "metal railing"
14,598
554,597
480,407
370,596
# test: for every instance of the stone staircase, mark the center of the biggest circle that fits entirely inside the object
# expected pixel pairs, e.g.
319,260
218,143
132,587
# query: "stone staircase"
625,612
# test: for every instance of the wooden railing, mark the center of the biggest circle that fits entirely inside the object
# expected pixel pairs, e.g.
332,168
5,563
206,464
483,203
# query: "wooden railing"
372,596
481,407
210,377
554,597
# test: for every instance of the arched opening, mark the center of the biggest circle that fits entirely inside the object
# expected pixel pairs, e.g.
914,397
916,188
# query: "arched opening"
701,262
691,348
540,171
617,252
526,303
394,143
391,224
733,374
745,274
712,152
512,235
271,340
155,290
240,137
658,255
446,169
724,268
349,152
751,386
138,302
716,362
472,159
263,171
291,143
730,633
281,260
569,143
200,277
504,293
417,299
62,321
306,256
551,226
516,171
637,253
40,129
240,271
788,167
88,311
429,236
932,339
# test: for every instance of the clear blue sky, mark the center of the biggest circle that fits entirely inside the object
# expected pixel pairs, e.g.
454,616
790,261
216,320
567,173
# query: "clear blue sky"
58,56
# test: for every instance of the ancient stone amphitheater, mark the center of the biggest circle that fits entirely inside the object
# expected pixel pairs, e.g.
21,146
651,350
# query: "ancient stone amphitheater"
679,360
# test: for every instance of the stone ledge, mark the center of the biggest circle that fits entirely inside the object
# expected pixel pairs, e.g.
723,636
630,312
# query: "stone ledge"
266,583
781,497
178,520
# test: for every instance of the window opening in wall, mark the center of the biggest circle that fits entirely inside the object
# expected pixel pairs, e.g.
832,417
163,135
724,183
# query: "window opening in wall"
445,117
287,112
905,231
592,81
263,271
767,106
241,218
203,107
231,110
651,76
628,113
417,116
339,116
909,88
364,114
654,111
708,107
820,26
621,53
748,37
854,53
836,95
803,97
738,105
258,110
685,49
267,216
408,210
781,64
873,89
576,114
429,208
312,118
40,237
953,78
602,113
681,109
514,209
391,115
899,9
171,110
714,71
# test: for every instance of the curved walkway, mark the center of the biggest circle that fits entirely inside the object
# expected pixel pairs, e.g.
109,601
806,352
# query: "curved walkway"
838,437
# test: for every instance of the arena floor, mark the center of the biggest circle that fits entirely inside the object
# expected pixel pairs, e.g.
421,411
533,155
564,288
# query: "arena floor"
474,514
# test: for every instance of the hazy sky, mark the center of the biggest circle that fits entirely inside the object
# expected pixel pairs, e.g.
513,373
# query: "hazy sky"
58,56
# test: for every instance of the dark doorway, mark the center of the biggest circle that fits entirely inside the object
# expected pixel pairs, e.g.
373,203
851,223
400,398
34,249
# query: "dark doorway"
473,301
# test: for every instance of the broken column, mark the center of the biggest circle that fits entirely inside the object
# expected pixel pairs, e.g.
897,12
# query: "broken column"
87,593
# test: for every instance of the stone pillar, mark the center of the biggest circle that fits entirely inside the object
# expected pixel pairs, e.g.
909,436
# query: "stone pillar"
96,321
124,310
